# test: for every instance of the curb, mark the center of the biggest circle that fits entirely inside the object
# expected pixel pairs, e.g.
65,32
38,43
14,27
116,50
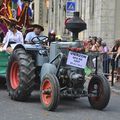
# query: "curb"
115,90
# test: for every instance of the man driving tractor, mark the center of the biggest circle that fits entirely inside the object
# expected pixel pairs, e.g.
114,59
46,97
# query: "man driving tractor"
38,29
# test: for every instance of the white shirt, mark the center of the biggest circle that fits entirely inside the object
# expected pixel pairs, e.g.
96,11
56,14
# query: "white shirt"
11,37
30,36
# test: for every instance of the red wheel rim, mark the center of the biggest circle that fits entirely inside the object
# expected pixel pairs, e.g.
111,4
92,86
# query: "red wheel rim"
14,75
47,92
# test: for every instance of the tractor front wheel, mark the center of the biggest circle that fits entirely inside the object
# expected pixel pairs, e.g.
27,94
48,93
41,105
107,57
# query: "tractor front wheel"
50,92
99,91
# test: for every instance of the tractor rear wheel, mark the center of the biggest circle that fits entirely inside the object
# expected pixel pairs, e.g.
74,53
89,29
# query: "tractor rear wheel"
20,75
99,90
50,92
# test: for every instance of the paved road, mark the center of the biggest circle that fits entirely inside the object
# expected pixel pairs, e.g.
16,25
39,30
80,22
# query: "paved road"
67,110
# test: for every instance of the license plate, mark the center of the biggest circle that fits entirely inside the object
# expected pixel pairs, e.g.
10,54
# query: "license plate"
77,59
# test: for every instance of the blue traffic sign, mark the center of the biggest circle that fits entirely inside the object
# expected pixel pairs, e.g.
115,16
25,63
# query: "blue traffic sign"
70,6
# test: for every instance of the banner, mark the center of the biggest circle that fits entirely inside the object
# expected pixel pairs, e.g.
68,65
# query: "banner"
5,9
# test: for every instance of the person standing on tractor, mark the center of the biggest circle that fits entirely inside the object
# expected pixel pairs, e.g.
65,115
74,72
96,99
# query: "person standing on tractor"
38,29
13,36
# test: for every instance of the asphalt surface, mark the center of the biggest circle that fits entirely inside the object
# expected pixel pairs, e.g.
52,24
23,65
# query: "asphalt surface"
67,110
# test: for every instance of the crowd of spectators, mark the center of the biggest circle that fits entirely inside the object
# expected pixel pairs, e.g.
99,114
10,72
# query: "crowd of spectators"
96,44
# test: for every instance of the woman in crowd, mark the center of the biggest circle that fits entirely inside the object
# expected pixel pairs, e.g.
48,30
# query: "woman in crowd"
114,51
106,59
96,45
117,61
93,48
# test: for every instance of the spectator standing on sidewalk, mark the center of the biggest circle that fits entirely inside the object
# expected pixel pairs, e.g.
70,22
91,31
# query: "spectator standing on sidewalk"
117,60
93,48
98,48
106,59
114,51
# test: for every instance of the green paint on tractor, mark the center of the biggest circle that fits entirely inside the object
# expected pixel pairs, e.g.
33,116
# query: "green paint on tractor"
3,63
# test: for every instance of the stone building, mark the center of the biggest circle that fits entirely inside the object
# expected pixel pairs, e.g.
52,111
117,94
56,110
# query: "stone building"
57,16
102,17
41,13
51,14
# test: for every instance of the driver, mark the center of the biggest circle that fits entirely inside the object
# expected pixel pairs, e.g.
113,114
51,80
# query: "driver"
38,29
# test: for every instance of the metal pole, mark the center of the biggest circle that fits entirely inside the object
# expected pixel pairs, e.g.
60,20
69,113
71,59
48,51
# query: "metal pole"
96,65
75,36
113,66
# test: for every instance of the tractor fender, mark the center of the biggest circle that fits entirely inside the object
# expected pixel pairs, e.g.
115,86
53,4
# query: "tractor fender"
28,47
47,68
16,46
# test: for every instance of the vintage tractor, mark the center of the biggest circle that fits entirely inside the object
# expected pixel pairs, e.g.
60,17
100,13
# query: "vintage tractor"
59,70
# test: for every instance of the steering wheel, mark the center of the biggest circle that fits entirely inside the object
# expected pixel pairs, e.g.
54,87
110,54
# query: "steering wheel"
39,39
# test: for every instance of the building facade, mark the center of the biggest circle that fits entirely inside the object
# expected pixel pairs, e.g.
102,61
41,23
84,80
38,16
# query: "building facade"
56,16
102,17
41,11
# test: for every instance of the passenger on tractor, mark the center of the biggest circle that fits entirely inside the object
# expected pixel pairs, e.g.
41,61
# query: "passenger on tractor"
38,29
13,36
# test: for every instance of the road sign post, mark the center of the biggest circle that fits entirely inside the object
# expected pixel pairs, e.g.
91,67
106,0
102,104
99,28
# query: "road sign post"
70,8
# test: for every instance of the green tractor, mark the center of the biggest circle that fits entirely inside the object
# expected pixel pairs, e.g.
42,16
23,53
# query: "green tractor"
3,65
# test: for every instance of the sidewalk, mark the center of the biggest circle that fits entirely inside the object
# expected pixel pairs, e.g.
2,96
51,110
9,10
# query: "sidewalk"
116,88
